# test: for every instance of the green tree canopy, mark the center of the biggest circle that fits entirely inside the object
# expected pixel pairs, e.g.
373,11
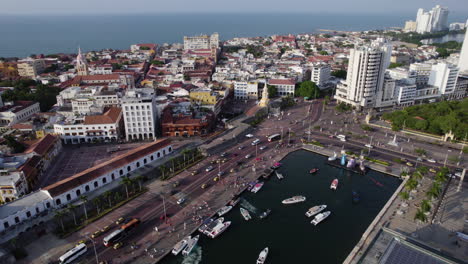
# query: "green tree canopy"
308,89
271,91
339,74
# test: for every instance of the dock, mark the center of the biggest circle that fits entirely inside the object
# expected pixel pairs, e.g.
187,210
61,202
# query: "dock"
355,169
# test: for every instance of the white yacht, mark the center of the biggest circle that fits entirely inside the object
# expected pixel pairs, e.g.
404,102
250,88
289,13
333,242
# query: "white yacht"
257,187
262,256
219,229
320,217
245,214
190,245
224,210
212,225
315,210
332,158
279,175
294,199
180,246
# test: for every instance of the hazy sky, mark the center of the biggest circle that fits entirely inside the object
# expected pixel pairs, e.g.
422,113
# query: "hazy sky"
458,7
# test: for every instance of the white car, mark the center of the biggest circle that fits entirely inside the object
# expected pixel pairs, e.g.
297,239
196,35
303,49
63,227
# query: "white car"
249,135
256,142
263,147
431,160
181,201
248,156
369,146
210,168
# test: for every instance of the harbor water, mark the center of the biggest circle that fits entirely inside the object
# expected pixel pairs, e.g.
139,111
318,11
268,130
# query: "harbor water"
287,231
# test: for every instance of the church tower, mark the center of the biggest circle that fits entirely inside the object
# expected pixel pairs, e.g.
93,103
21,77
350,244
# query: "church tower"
81,64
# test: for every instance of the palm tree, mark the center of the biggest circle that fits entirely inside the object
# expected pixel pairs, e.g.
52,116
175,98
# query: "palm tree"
84,200
441,176
108,196
404,195
434,191
184,152
172,161
117,197
417,175
423,170
403,174
126,181
425,206
97,203
59,214
139,179
411,184
420,216
163,169
71,208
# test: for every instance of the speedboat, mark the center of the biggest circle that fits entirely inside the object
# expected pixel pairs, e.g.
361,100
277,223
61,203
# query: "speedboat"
262,256
205,224
314,170
356,197
332,158
334,184
275,166
279,175
320,217
245,214
315,210
190,245
294,199
219,229
180,245
224,210
251,185
257,187
210,227
265,214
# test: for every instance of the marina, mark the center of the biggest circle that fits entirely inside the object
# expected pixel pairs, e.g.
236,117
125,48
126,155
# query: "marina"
246,236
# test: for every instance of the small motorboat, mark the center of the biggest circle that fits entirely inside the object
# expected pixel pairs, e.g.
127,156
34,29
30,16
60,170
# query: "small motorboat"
315,210
224,210
257,187
245,214
294,199
262,256
275,166
334,184
265,214
279,175
332,158
320,217
314,170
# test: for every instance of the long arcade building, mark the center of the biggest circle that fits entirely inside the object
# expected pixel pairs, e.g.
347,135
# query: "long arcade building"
69,190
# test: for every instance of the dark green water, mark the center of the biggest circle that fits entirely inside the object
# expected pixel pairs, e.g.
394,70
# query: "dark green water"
287,231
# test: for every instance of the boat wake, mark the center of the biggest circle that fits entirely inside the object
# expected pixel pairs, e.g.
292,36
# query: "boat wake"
248,206
194,257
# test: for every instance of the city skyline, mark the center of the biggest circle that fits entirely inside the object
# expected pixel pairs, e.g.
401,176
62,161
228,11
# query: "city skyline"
209,6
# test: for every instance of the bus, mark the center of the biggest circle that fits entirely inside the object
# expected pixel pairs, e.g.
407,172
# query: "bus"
341,137
73,254
274,137
119,234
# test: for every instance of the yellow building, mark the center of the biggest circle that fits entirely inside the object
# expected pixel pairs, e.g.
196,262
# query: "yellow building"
204,96
30,68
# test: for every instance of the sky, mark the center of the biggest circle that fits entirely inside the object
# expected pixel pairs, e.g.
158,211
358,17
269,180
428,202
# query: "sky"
60,7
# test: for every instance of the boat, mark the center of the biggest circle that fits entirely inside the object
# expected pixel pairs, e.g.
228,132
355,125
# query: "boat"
315,210
257,187
251,185
356,197
343,160
180,245
265,214
205,224
334,184
262,256
245,214
213,225
275,166
362,167
332,158
279,175
224,210
234,202
351,163
320,217
314,170
219,229
294,199
190,245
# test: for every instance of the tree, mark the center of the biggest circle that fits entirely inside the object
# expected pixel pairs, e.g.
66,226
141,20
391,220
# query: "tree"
126,181
434,191
117,196
272,91
14,144
395,65
139,179
404,195
185,152
97,202
163,170
420,151
108,197
420,216
308,89
411,184
425,206
157,62
423,170
71,208
59,214
84,200
322,52
339,74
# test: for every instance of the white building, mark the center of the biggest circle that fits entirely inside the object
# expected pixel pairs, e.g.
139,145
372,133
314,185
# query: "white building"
410,26
320,73
444,76
246,90
17,112
140,114
422,70
366,72
463,61
201,42
284,87
431,21
30,67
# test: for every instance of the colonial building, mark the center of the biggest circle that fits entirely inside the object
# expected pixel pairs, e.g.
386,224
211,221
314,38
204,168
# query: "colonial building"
284,87
17,111
179,119
30,68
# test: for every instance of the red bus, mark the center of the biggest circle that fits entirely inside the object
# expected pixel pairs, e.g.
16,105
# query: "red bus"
119,234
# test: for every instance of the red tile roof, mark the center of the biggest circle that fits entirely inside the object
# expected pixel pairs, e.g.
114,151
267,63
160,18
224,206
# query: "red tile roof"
281,82
106,167
111,116
43,146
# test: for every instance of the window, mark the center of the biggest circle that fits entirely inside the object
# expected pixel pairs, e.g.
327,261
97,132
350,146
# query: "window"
17,220
86,188
152,158
68,197
28,214
96,184
144,161
104,180
48,205
58,202
138,164
159,154
112,176
129,168
6,224
78,193
37,210
121,172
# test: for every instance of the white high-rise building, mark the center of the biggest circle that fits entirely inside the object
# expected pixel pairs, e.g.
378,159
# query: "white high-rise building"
140,114
431,21
201,42
366,72
320,74
444,76
463,61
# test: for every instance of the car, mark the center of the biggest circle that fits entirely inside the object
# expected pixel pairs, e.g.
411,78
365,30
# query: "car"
175,184
195,172
256,142
241,147
432,170
249,135
369,146
118,245
83,241
203,186
104,229
96,234
221,173
409,164
224,154
216,178
431,160
458,174
419,159
214,161
181,201
119,221
248,156
210,168
232,170
263,147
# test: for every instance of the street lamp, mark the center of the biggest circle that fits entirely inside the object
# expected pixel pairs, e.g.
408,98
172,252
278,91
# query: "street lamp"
94,245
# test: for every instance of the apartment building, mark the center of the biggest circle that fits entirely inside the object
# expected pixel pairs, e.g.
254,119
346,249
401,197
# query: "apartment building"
30,68
140,114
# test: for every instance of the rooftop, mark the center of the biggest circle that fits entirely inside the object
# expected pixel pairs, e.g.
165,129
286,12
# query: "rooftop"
25,202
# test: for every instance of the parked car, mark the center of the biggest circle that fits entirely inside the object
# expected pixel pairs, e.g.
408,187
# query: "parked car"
104,229
118,245
263,147
210,168
181,201
431,160
409,164
368,146
249,135
119,221
96,234
248,156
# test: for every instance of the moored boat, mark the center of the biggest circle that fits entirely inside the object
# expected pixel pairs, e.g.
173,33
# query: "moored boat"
314,170
180,245
224,210
205,225
275,166
234,202
245,214
315,210
332,158
351,163
334,184
279,175
262,256
209,228
190,245
294,199
219,229
257,187
265,214
320,217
